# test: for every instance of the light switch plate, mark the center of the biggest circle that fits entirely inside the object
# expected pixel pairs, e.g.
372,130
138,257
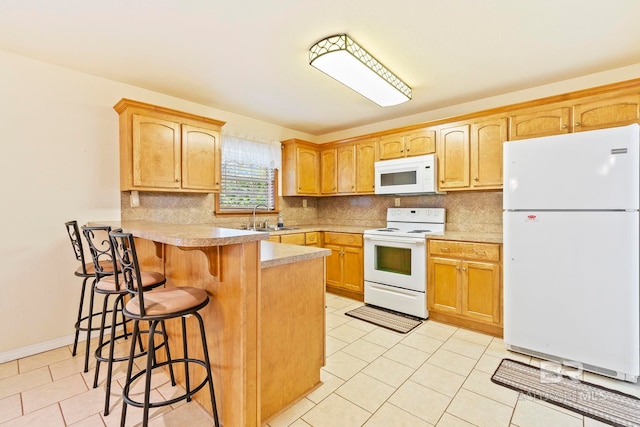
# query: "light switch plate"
397,201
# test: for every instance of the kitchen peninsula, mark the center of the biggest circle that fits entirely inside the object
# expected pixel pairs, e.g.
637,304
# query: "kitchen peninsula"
265,321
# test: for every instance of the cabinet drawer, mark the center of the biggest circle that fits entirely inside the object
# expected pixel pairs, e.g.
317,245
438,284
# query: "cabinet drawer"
293,239
311,238
275,239
484,251
343,239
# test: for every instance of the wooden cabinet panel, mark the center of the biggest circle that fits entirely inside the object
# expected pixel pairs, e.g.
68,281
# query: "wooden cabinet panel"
465,284
603,113
544,122
328,171
156,152
345,265
481,296
307,164
347,169
365,166
391,146
200,149
167,150
413,143
453,157
300,168
486,141
444,292
292,239
420,142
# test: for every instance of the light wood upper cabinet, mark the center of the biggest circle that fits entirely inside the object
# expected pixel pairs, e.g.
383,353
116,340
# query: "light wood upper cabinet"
598,113
200,149
453,158
365,166
347,169
414,143
300,168
328,171
167,150
539,122
486,141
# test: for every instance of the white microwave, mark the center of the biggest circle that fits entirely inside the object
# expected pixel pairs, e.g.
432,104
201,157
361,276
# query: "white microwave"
408,175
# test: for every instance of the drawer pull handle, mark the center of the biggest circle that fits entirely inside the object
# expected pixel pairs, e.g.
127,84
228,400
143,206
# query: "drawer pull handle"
445,249
481,252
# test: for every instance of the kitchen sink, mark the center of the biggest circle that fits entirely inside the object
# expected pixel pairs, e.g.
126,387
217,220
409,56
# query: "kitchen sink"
272,229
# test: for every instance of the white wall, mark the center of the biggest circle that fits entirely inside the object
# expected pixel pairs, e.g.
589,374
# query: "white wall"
59,143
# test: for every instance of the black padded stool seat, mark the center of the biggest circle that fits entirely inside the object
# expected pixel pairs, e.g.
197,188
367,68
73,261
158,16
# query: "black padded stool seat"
156,306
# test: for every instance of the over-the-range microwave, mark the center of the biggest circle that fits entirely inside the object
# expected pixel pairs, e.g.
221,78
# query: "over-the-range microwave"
408,175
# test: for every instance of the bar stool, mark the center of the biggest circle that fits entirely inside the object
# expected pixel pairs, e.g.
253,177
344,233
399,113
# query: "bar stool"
155,307
110,285
86,271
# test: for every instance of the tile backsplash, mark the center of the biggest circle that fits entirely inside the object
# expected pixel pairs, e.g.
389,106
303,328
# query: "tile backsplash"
474,211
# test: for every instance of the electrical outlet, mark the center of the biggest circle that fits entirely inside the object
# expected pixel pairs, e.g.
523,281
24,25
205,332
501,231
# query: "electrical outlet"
304,203
135,199
397,201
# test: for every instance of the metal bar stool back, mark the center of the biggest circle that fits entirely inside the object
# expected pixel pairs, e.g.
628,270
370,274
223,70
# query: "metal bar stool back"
156,306
110,285
86,271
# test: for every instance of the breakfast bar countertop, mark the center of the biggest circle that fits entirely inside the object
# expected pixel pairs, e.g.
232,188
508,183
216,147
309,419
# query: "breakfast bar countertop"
185,235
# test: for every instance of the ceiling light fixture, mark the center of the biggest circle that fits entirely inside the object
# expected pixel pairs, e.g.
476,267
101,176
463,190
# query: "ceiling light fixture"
343,59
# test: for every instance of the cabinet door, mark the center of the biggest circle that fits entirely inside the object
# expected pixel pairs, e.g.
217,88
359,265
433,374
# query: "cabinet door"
352,269
481,291
200,154
334,266
365,167
444,285
486,142
156,152
453,156
539,123
307,173
598,114
420,142
347,169
391,146
328,171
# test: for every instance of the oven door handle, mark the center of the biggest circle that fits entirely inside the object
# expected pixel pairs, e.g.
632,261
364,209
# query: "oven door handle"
411,240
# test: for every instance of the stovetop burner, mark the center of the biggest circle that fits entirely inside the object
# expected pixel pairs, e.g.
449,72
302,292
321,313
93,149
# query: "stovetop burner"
389,230
419,231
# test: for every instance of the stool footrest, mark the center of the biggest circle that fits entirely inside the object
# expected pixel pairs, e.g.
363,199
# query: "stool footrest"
187,395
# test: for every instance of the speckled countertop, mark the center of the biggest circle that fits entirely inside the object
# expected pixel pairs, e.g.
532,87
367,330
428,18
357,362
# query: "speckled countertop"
273,254
185,235
449,235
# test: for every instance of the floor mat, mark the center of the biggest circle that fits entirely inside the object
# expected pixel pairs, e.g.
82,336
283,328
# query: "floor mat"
591,400
385,318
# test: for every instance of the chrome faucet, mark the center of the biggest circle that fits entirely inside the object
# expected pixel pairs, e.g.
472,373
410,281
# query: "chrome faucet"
254,214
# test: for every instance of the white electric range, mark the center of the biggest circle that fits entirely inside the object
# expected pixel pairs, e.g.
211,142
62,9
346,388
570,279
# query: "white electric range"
395,260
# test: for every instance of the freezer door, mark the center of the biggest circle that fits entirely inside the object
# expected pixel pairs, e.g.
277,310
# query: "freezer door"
571,286
585,170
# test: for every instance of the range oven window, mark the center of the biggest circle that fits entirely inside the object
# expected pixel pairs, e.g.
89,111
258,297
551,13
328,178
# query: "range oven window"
393,260
398,178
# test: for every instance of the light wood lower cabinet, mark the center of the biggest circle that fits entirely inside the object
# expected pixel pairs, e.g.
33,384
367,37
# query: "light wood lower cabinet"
345,265
465,284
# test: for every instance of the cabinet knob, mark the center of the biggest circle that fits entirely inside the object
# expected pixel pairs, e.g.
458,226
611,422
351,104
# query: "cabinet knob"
563,126
458,268
299,188
408,148
177,180
442,181
475,178
464,269
577,124
401,150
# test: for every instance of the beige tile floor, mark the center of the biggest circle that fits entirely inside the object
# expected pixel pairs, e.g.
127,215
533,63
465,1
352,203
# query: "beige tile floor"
434,375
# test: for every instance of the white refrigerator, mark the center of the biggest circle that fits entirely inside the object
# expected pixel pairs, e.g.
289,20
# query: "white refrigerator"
572,251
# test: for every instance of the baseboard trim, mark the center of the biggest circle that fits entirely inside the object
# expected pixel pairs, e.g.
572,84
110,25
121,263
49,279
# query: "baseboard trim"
40,347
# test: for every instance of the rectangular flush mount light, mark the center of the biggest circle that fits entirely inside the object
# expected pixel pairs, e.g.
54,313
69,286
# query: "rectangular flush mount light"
344,60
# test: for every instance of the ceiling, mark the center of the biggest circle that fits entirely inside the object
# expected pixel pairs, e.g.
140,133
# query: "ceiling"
251,57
